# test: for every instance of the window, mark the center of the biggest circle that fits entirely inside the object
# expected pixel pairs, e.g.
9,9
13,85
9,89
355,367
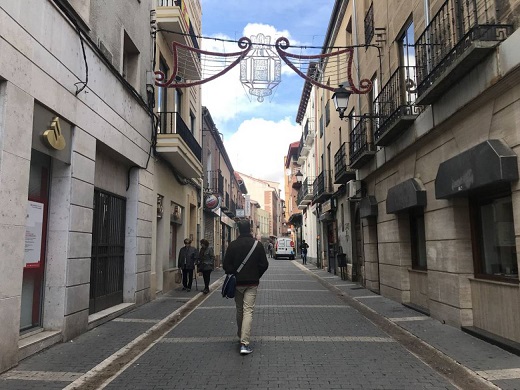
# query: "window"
348,33
408,76
418,238
130,61
178,101
192,122
494,236
162,96
374,108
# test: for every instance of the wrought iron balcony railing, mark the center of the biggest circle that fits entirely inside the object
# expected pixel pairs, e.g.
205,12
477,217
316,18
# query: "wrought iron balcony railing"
172,123
396,105
361,145
214,182
168,3
232,210
450,36
305,194
342,171
323,187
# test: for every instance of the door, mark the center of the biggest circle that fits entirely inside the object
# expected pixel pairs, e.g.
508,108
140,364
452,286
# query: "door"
108,250
173,246
358,249
35,238
331,240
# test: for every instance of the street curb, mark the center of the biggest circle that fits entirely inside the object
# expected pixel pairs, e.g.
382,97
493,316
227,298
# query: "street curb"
103,373
458,374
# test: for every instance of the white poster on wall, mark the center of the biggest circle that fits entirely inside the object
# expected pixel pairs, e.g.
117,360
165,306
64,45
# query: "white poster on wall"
33,233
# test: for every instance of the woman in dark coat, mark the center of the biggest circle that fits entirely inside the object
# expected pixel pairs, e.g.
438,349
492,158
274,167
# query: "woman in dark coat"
206,262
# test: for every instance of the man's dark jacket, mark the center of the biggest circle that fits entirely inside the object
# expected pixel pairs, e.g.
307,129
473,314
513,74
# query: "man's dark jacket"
187,257
256,265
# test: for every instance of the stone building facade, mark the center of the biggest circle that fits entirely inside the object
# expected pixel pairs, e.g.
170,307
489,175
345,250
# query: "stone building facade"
424,170
76,180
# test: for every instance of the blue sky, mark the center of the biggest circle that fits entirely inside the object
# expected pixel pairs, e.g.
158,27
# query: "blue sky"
257,135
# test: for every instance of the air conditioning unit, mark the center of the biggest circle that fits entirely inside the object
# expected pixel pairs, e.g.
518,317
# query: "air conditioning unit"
354,189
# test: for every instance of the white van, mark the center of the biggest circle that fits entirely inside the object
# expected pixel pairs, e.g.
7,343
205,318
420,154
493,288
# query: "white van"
284,247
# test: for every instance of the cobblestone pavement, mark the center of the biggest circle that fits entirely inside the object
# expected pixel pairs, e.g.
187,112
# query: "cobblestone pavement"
311,330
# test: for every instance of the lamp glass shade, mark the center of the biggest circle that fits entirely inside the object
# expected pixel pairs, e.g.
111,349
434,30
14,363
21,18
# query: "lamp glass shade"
299,176
340,98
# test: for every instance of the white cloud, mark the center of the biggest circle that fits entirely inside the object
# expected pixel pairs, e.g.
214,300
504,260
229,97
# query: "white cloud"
258,147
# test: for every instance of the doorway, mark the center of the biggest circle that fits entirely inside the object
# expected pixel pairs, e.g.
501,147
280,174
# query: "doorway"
35,239
358,249
108,251
173,245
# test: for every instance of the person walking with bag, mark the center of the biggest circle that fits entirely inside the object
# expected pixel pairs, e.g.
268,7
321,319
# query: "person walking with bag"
205,263
247,279
186,263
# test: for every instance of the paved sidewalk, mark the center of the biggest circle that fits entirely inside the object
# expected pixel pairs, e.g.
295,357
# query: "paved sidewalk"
311,330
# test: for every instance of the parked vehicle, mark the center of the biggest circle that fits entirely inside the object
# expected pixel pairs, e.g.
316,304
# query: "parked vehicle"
284,247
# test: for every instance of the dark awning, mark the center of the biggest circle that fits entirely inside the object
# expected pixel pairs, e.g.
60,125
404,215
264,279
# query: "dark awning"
296,219
406,195
490,162
368,207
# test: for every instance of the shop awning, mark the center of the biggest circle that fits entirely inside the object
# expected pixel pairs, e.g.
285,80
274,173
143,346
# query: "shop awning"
406,195
490,162
368,207
296,219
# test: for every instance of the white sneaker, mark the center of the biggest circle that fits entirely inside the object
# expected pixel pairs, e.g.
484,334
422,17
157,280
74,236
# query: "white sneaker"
245,349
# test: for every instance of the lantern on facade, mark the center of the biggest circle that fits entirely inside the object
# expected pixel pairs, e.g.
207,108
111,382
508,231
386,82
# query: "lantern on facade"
260,70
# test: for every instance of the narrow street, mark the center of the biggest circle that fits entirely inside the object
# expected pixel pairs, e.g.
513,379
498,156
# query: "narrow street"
311,330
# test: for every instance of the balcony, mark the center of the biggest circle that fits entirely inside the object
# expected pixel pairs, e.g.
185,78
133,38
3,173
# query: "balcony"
396,105
174,22
214,182
177,145
309,132
460,35
361,146
232,210
342,172
323,187
305,194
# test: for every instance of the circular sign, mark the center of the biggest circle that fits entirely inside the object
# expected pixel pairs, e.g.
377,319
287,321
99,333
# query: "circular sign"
212,202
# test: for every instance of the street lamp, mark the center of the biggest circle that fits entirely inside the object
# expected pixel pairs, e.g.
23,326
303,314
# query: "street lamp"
340,99
299,176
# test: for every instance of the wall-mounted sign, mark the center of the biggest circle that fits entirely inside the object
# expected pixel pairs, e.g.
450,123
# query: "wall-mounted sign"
33,234
247,205
211,202
328,205
53,136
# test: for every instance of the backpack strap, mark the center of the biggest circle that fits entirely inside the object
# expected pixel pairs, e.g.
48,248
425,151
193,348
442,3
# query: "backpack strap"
247,257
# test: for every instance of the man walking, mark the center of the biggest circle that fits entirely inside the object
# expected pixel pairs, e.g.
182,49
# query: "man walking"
186,263
247,279
303,247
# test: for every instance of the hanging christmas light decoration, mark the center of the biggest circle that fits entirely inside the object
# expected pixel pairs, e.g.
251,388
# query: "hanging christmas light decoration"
260,70
260,66
184,54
